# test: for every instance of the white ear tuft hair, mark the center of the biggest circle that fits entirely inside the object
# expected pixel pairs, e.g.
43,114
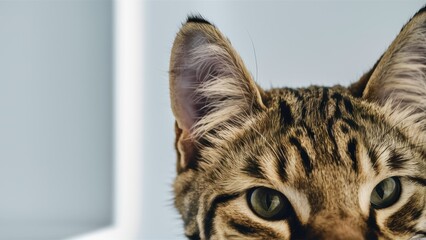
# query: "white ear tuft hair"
398,80
209,84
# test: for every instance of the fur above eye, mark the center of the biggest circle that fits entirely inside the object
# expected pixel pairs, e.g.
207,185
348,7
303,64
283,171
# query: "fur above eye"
268,203
386,193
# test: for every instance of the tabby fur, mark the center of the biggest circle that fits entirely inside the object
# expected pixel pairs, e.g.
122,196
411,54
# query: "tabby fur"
324,148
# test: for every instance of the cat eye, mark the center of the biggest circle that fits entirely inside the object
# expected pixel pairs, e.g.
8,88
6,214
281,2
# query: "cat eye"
386,193
268,203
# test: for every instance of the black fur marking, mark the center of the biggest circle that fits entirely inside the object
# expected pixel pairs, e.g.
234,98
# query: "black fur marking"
372,154
243,229
330,124
351,123
252,229
197,18
337,98
282,166
195,236
295,93
373,231
306,161
396,160
206,143
352,148
404,220
297,230
344,128
423,9
324,101
253,169
368,117
286,116
348,106
418,180
211,213
303,112
311,134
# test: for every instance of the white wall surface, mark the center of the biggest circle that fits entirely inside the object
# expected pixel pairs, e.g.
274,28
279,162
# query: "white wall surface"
56,134
297,43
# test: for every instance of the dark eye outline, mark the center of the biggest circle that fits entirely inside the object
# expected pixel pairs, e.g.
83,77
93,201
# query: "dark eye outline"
283,213
395,196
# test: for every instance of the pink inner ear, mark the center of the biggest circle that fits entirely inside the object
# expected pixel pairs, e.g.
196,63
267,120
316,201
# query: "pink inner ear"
209,85
193,72
186,98
186,82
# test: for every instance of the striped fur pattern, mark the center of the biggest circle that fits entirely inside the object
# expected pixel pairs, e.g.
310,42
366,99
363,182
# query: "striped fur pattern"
324,148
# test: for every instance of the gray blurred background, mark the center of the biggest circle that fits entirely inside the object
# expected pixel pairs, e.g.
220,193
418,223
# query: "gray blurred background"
56,127
57,101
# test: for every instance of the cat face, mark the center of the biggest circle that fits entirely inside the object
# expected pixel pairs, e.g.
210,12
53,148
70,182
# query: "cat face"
312,163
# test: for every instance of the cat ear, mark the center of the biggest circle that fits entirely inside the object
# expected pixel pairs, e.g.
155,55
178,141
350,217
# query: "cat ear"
398,79
397,82
209,85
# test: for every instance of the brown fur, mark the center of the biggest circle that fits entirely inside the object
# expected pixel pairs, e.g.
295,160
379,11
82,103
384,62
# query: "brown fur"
324,149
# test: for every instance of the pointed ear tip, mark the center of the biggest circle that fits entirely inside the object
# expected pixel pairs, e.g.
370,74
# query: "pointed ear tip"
194,24
197,18
422,10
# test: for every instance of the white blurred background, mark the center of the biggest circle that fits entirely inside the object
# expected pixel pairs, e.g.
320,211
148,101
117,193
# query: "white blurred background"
86,130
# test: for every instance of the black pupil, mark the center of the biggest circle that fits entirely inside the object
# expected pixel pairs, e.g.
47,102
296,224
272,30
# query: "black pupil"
380,191
268,200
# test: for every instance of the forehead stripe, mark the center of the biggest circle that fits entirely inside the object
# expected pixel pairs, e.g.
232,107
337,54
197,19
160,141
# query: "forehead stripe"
373,156
286,116
324,100
253,168
396,160
351,123
352,148
337,99
282,165
348,106
306,161
330,124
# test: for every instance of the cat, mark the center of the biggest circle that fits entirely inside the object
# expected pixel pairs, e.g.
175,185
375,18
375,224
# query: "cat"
309,163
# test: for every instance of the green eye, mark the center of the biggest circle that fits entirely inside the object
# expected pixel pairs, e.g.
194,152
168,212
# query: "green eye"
386,193
268,204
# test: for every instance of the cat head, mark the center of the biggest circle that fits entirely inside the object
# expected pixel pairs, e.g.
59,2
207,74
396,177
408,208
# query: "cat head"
311,163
